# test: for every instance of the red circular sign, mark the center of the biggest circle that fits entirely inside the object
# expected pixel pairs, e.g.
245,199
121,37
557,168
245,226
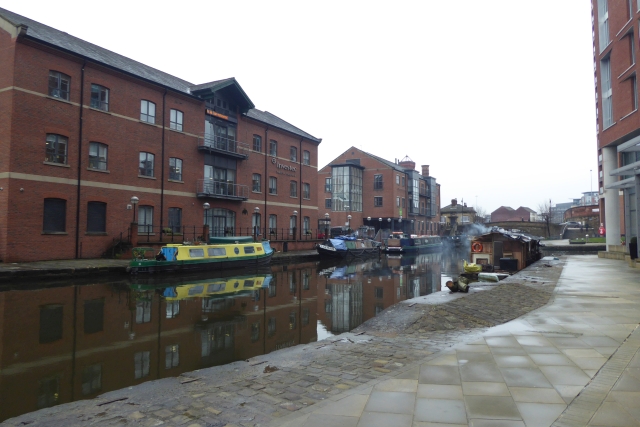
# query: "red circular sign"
601,231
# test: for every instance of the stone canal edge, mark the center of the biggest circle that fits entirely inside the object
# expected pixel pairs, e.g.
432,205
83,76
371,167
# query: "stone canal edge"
282,384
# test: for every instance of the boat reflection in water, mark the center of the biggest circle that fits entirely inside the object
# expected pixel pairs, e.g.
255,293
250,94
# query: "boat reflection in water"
81,339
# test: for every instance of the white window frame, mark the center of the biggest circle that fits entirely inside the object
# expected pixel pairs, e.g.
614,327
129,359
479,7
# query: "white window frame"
176,118
98,155
147,111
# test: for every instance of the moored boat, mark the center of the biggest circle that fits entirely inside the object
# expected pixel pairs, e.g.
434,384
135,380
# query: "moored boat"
348,246
220,253
401,243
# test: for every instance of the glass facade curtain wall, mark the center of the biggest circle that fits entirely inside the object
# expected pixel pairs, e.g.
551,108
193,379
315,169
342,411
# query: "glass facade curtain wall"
346,188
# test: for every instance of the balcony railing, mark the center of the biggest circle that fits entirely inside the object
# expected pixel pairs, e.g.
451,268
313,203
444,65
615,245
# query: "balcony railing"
221,190
224,146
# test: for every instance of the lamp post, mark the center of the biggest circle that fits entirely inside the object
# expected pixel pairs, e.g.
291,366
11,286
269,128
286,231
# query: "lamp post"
379,223
390,224
412,229
134,202
369,226
295,223
205,229
349,224
256,223
400,223
326,225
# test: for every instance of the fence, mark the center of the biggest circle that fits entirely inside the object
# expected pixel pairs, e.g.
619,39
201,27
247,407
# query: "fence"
192,233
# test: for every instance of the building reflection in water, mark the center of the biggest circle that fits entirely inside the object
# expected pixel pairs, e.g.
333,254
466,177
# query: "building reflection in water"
61,344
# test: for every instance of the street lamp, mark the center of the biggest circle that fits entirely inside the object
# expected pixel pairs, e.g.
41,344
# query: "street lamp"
205,233
134,202
326,225
295,223
256,223
348,223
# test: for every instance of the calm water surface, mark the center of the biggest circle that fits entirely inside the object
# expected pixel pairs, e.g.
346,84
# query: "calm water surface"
78,340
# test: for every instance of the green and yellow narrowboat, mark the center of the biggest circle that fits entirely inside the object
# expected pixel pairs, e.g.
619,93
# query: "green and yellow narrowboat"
220,253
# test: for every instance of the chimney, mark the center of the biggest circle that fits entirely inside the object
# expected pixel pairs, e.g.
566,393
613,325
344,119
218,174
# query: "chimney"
454,202
425,170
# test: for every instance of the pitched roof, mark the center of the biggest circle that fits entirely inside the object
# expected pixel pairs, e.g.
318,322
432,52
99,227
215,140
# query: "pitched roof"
273,120
61,40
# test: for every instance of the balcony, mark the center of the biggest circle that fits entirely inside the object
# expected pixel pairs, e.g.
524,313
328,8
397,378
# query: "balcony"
221,190
223,146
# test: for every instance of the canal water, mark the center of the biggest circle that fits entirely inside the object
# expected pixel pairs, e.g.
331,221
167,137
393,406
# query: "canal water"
61,342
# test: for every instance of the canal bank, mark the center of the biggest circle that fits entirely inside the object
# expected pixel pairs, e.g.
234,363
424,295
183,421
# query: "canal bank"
14,273
443,352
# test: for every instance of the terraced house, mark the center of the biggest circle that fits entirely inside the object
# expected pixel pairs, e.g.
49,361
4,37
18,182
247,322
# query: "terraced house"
92,142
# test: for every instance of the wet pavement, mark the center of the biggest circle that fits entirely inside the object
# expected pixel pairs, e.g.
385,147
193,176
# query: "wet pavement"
570,357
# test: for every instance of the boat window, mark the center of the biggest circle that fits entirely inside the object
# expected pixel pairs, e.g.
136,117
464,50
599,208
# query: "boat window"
196,290
216,251
215,287
249,250
196,253
248,283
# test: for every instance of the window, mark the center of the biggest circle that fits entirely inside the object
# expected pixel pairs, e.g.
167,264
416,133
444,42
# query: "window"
603,24
306,157
305,316
145,219
293,154
91,379
171,356
146,164
633,82
377,182
257,183
327,185
398,202
293,320
96,217
273,223
346,186
175,220
93,316
48,392
403,181
293,189
143,311
176,119
632,48
50,323
141,362
273,185
56,149
404,203
99,97
271,327
327,203
273,148
378,292
147,111
306,191
306,225
257,143
59,85
397,179
98,156
54,216
175,169
173,309
607,105
377,202
255,331
293,224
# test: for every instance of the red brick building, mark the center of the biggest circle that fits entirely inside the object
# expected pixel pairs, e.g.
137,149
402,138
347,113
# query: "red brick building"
615,46
91,141
360,189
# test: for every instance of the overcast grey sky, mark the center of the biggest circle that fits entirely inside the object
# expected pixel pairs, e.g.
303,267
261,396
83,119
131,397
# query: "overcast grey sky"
496,96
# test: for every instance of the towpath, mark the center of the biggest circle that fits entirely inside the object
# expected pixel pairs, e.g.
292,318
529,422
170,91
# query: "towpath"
554,344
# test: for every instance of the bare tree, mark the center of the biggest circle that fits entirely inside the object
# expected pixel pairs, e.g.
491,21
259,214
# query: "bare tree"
544,213
480,214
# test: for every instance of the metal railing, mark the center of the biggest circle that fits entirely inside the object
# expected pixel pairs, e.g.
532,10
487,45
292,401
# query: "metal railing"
221,143
193,233
212,188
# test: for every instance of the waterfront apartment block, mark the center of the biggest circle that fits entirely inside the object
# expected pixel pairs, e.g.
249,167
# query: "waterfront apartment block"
616,32
92,142
361,189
